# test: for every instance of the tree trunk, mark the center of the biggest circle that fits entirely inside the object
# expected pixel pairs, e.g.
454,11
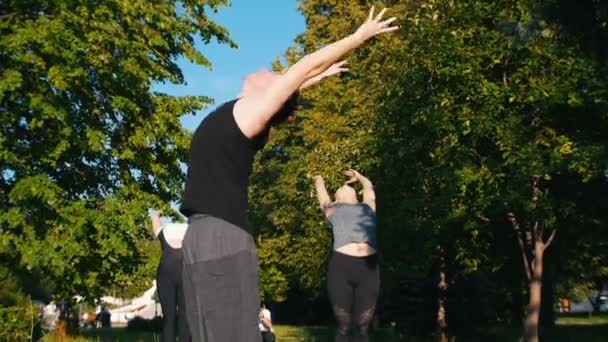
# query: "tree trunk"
533,315
532,245
442,294
441,313
547,302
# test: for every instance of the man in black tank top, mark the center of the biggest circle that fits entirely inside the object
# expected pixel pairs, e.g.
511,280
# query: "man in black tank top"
220,273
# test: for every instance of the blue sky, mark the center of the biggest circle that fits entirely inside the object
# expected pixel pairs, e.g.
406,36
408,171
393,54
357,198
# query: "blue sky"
263,30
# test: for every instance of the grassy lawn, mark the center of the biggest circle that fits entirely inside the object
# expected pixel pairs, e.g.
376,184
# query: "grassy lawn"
289,333
568,329
283,332
119,335
583,320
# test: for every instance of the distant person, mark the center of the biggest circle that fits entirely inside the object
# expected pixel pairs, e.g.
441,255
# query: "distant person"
265,324
353,278
221,282
564,305
104,317
50,315
169,279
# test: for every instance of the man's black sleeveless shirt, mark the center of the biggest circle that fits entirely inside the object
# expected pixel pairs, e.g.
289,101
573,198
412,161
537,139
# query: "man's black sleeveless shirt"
221,159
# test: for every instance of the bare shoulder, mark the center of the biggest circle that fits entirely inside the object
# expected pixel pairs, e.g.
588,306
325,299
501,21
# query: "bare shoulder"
247,114
256,108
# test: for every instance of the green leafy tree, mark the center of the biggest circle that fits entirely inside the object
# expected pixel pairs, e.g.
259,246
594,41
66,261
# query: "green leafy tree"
483,127
497,107
86,146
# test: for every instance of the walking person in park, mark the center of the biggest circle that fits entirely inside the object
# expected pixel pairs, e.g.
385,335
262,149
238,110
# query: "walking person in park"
220,264
353,278
169,279
265,324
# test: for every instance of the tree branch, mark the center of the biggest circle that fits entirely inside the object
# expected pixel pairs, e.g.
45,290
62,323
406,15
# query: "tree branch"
550,239
505,76
7,15
535,191
517,228
483,218
529,234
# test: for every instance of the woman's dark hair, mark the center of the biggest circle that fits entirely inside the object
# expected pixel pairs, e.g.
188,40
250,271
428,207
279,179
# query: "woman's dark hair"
289,107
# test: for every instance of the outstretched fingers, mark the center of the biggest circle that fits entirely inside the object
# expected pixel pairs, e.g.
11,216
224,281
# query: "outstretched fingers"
340,66
388,21
386,25
379,16
376,25
352,175
335,68
389,29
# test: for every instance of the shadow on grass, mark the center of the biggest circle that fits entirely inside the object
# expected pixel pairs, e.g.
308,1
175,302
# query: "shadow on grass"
326,334
560,333
575,333
120,335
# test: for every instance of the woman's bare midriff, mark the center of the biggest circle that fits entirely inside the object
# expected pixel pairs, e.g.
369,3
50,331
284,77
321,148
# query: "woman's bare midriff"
357,249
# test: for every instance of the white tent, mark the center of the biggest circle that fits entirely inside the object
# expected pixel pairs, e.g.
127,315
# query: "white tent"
143,306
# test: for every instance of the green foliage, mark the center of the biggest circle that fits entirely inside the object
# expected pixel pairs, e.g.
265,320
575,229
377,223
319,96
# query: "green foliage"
85,146
491,96
10,288
17,322
451,118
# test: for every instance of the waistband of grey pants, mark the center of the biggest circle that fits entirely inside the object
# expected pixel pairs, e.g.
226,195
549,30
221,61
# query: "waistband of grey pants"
209,237
195,217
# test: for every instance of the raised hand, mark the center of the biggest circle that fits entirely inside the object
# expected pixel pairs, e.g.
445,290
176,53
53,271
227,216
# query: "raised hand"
155,215
352,175
334,69
375,25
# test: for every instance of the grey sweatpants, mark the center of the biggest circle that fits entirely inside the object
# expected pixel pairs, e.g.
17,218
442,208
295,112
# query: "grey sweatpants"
221,282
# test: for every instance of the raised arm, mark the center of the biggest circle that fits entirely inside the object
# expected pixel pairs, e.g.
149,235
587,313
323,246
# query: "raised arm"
369,196
322,195
254,111
333,69
156,222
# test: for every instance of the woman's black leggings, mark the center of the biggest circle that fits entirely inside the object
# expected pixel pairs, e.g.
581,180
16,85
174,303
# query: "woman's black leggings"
353,284
172,303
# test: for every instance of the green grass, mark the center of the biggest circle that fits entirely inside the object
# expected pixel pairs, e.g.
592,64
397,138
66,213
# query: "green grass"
284,333
119,335
290,333
568,329
583,320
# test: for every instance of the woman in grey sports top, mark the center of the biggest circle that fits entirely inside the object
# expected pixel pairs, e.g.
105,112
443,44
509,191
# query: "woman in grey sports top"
353,278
